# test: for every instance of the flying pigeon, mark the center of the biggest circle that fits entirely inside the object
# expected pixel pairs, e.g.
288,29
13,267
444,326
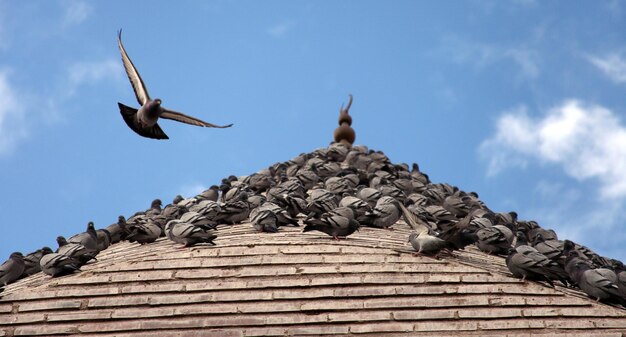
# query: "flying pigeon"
144,120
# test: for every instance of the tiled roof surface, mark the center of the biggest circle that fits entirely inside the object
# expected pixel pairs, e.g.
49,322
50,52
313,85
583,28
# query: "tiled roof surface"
293,283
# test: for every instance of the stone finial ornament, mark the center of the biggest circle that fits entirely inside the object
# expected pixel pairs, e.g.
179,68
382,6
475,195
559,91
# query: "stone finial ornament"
345,133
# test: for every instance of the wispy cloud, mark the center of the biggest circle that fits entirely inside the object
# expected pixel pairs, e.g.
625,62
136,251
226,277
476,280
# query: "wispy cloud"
482,55
612,65
192,189
84,73
587,141
281,29
76,11
12,127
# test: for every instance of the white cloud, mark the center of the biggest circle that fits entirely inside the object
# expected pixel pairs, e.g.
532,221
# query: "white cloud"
76,12
83,73
281,29
481,55
12,127
613,65
191,190
587,141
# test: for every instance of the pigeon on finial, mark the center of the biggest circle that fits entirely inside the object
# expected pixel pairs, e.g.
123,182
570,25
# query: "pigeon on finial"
345,133
144,120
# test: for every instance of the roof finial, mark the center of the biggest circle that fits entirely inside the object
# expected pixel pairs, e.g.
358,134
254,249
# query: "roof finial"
344,133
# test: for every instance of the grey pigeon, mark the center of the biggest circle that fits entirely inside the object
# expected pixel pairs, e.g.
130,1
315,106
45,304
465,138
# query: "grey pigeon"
208,208
144,121
359,206
333,224
594,283
264,220
31,261
188,234
197,219
89,238
56,264
427,244
118,230
495,239
384,215
212,193
76,251
12,269
143,233
103,237
235,211
321,201
369,195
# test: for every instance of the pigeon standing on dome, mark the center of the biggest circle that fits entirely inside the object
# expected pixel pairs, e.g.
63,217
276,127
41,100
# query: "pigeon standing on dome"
335,223
31,261
188,234
89,238
12,269
384,215
144,121
56,264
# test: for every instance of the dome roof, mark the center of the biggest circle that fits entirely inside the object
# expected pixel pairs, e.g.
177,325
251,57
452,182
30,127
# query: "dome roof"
294,283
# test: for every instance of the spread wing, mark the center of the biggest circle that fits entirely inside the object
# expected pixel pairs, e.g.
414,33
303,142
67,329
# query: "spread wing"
130,117
177,116
133,75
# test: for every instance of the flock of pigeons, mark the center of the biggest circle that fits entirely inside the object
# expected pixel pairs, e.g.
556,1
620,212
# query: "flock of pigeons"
336,190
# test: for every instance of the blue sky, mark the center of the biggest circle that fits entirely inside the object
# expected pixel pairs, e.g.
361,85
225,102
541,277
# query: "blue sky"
520,101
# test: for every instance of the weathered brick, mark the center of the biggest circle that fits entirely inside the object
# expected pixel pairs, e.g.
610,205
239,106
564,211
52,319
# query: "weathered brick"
49,305
142,312
79,315
362,291
6,308
117,301
22,318
362,316
320,330
446,325
424,314
45,330
381,327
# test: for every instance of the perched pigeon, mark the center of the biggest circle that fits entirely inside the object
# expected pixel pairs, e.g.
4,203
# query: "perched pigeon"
89,238
12,269
197,219
103,239
427,244
384,215
235,211
359,206
144,121
495,239
31,261
118,230
335,224
264,220
76,251
144,232
56,264
594,283
188,234
321,201
369,195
